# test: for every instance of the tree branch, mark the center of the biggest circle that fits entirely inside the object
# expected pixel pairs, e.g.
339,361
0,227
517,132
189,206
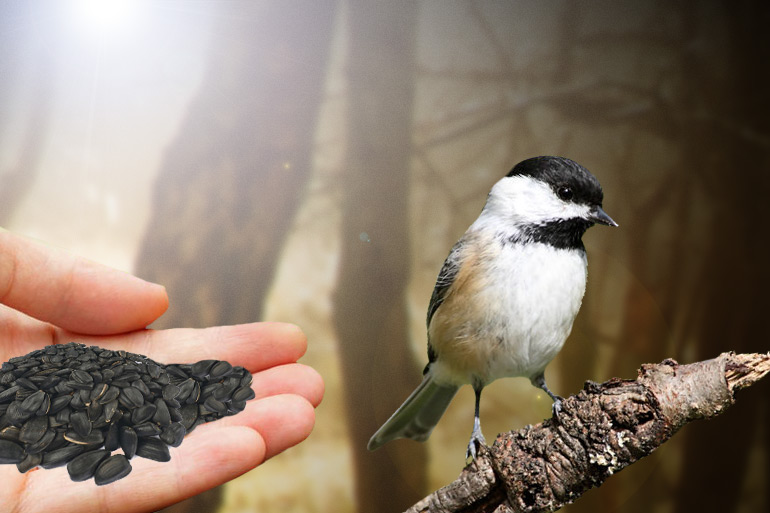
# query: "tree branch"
602,429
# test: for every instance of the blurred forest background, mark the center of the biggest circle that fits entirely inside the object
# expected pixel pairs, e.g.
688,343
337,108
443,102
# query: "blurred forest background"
313,162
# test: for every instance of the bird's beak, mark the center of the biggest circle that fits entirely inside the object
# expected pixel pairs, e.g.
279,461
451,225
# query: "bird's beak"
598,215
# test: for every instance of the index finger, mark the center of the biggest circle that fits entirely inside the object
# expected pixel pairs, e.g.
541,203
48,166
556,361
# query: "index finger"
74,293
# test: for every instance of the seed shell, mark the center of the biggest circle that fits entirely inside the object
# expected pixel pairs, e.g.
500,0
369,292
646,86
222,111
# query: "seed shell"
128,441
153,449
29,462
84,466
33,430
62,456
173,434
94,437
201,369
33,402
111,469
80,423
72,404
220,370
42,444
162,417
112,439
143,413
10,452
243,394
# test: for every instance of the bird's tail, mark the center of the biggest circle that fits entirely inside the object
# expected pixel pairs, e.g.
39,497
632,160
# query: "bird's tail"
419,414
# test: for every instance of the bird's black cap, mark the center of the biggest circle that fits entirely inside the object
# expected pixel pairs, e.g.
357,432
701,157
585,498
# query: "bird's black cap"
560,173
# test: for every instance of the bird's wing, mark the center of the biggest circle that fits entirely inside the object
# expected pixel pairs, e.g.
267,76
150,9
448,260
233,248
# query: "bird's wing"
444,281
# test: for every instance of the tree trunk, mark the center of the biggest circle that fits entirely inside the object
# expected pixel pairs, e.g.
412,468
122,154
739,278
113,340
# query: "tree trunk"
234,177
725,150
370,310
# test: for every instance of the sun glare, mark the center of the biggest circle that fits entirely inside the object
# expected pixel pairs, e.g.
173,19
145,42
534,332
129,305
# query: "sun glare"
105,16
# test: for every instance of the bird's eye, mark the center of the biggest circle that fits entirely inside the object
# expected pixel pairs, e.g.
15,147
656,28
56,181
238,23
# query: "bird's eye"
564,192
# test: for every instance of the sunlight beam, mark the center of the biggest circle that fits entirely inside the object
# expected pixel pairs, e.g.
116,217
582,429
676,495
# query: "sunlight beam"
104,16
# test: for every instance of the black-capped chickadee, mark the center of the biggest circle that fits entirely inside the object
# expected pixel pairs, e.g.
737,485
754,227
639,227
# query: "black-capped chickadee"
507,294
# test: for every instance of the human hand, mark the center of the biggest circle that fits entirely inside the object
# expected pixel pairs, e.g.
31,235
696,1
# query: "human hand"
51,297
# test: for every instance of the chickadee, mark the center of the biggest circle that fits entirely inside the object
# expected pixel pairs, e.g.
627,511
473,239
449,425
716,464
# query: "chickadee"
507,294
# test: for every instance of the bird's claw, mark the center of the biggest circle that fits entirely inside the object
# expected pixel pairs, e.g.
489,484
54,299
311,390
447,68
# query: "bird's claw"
557,407
472,452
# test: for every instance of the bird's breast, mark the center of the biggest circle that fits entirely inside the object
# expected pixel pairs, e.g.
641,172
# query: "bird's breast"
509,311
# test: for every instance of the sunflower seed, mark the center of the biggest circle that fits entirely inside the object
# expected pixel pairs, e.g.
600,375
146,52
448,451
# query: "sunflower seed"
33,430
201,369
154,370
109,410
170,392
146,429
176,371
16,415
143,413
84,466
110,395
10,452
9,394
214,406
185,389
58,403
10,433
72,404
29,462
130,398
112,438
63,417
220,370
25,383
82,376
189,416
128,441
94,410
80,423
111,469
98,391
153,449
33,402
42,444
243,394
173,434
59,457
161,416
236,406
96,436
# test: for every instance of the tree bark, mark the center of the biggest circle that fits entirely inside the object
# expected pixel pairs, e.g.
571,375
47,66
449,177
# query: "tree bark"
601,430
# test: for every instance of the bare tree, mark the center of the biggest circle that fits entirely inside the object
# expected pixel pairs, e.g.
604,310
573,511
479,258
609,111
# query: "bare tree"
727,139
235,174
369,301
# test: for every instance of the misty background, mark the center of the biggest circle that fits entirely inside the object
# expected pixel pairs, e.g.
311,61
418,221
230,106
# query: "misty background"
313,162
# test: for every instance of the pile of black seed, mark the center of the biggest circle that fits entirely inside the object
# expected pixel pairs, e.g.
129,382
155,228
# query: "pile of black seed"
74,405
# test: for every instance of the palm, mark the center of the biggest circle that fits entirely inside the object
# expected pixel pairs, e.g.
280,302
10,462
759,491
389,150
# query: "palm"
280,416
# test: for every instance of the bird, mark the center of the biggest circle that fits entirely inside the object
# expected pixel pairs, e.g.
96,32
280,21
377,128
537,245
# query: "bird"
508,293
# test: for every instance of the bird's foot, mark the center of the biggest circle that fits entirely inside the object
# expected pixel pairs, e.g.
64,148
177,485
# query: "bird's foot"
476,438
557,407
